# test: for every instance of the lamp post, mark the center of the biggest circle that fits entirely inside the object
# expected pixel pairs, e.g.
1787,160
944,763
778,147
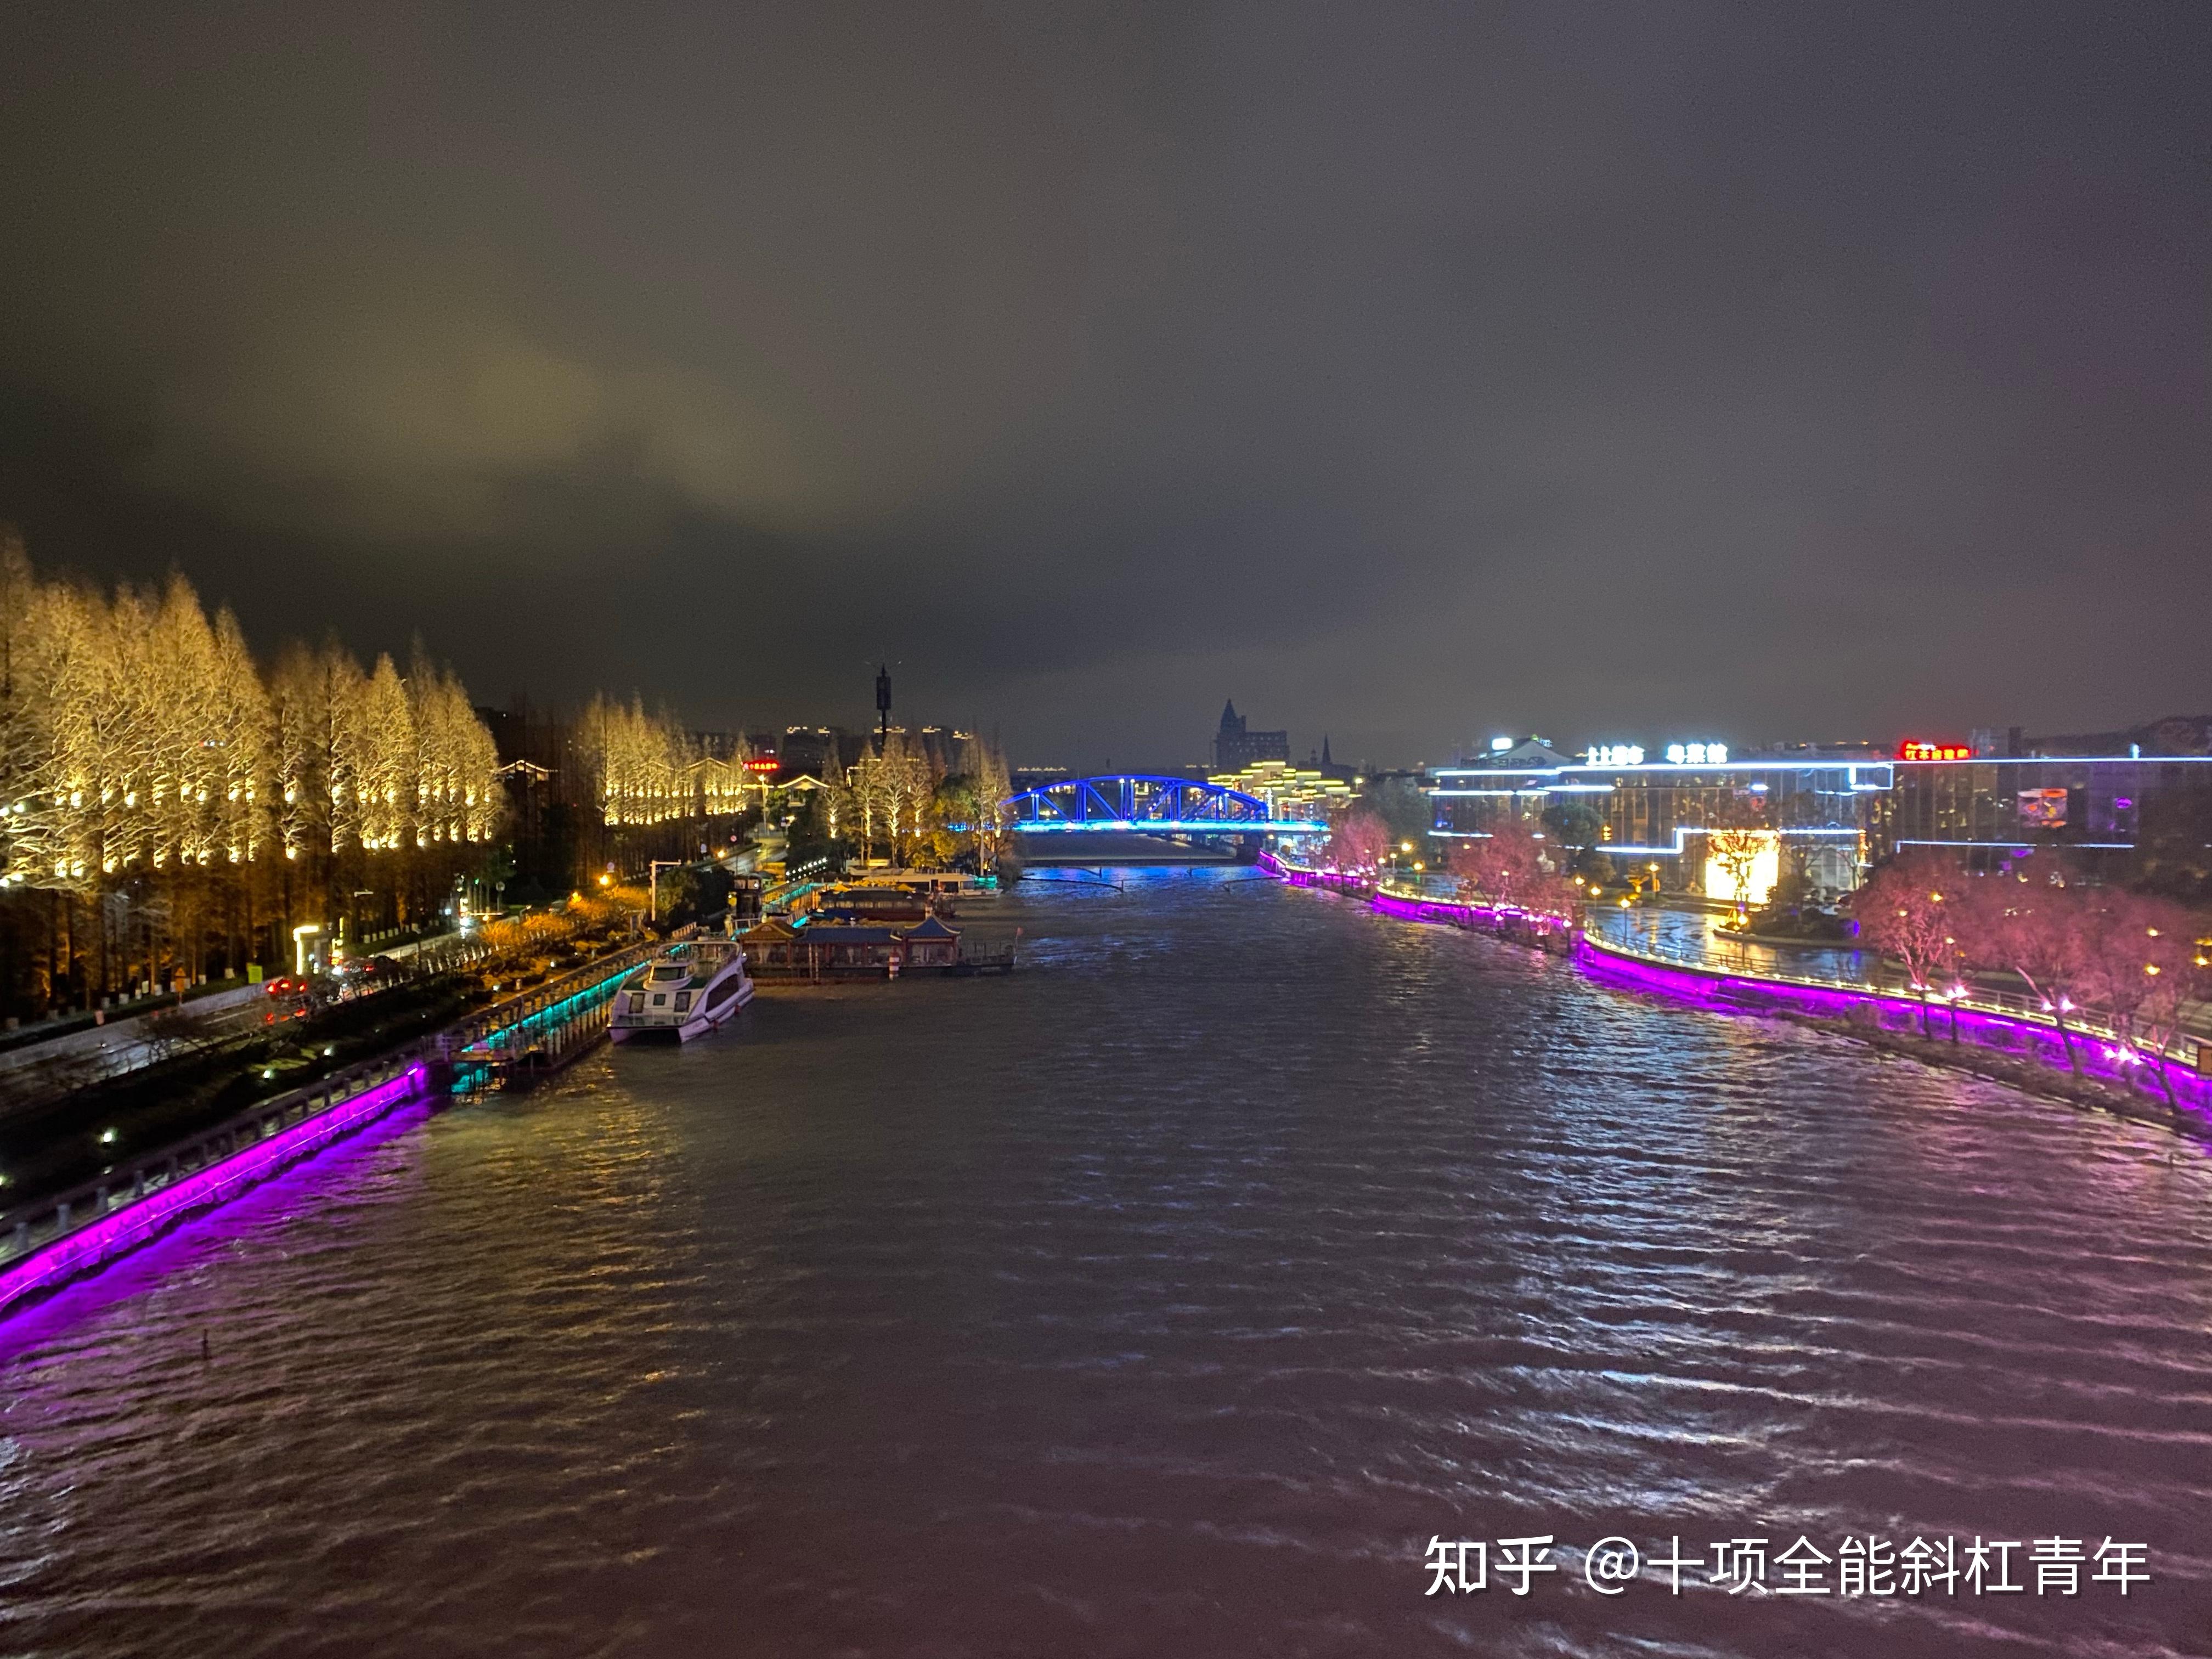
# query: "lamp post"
653,902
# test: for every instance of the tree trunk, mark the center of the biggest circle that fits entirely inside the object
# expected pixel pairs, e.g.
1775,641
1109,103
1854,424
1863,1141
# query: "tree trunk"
2165,1086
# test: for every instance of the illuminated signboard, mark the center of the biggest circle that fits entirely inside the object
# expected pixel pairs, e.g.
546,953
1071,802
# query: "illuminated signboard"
1698,754
2043,808
1909,749
1614,754
763,763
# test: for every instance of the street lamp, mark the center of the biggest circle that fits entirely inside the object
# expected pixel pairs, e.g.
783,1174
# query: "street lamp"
652,902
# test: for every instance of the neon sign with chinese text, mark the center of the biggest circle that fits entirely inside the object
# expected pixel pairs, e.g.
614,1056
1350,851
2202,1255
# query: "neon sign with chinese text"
1914,750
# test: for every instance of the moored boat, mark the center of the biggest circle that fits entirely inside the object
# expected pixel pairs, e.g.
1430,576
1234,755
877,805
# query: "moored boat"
674,998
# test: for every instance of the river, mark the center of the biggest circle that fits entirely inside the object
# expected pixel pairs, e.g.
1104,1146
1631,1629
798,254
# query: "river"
1164,1299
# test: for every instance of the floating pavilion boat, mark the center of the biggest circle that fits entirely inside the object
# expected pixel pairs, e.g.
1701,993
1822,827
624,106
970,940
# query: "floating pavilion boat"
673,998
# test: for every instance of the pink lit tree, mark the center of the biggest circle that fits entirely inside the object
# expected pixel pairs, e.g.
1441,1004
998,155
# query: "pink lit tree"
1359,841
2034,921
1504,868
2115,928
2178,966
2140,963
1912,911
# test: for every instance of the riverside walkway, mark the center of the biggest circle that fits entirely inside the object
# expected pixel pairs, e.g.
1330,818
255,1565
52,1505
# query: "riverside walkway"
46,1242
1676,953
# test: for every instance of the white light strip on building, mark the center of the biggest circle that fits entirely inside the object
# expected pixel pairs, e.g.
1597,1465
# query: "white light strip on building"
1827,765
1686,766
1533,789
2025,845
1682,831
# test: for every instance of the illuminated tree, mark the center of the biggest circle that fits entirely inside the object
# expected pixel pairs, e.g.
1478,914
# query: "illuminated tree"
2033,922
980,803
386,764
636,761
34,808
146,766
1737,837
320,745
1504,867
2177,962
1912,911
891,787
181,766
1359,841
240,729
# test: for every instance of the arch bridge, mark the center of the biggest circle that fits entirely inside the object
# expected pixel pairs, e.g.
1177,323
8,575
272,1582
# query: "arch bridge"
1142,804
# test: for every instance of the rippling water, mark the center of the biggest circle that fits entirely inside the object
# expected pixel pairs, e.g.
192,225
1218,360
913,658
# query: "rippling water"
1164,1299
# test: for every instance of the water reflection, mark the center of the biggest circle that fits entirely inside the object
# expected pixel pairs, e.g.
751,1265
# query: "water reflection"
1163,1298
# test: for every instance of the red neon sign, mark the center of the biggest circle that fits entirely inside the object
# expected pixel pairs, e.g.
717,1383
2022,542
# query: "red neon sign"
1909,749
764,763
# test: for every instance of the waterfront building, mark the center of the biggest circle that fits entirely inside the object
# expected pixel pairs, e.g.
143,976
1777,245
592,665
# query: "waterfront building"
1531,752
1819,811
1237,746
775,946
834,946
1297,793
931,944
2133,805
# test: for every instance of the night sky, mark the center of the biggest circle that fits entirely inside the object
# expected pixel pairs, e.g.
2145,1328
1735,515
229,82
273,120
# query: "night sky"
1407,374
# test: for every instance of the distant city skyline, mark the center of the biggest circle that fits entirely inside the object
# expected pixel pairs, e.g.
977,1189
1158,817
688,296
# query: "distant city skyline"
1418,372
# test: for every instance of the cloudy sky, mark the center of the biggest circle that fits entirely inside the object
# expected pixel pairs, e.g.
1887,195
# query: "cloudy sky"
1409,373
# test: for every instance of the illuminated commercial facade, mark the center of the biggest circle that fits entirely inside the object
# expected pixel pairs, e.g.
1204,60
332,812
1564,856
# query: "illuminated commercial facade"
2118,815
1824,811
2128,813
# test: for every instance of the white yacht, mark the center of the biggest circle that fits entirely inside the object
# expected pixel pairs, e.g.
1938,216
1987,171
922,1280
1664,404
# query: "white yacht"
694,988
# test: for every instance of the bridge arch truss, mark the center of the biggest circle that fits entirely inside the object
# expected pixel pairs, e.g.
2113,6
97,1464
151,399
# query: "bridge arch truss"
1146,804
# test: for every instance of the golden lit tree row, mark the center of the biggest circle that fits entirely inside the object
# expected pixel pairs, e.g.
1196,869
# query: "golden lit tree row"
136,734
649,770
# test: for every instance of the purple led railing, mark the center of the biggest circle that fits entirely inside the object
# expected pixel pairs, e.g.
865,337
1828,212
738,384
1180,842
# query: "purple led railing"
139,1221
1454,913
1718,988
1723,990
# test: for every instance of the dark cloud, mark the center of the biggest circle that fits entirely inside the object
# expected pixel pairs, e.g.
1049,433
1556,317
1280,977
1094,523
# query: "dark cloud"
1406,372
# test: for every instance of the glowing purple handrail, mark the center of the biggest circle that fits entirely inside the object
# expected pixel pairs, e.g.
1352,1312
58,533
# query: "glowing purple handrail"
141,1221
1735,990
1724,989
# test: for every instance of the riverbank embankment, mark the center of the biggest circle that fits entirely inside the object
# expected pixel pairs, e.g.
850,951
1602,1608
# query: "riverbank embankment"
46,1240
2082,1063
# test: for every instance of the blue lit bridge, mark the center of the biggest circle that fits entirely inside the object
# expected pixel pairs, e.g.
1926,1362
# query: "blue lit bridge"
1138,804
